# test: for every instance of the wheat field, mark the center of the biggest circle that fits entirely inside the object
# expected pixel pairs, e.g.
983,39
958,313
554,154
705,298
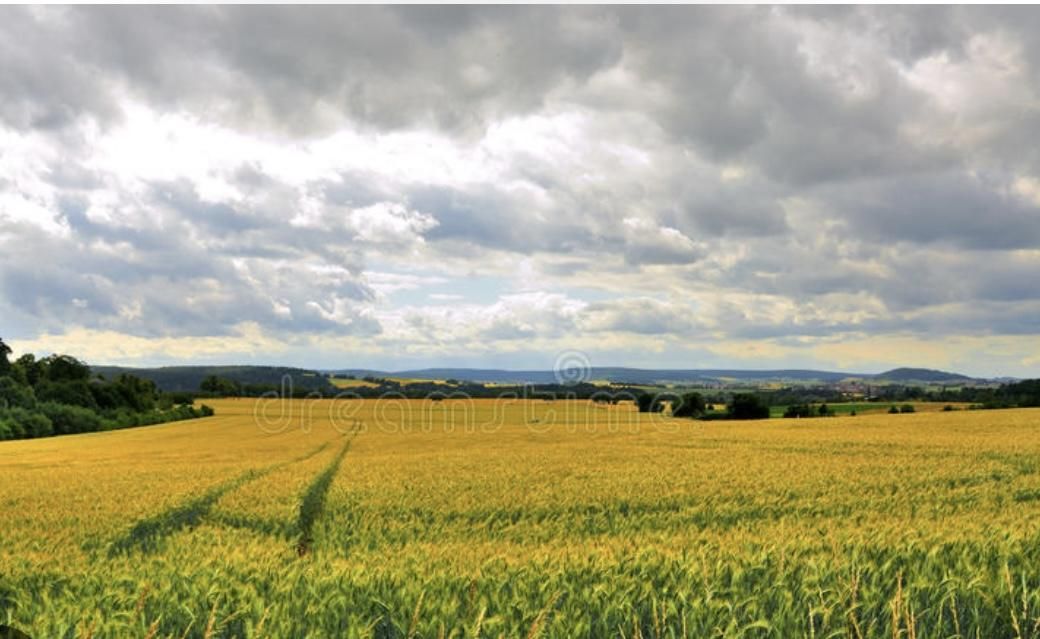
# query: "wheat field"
525,518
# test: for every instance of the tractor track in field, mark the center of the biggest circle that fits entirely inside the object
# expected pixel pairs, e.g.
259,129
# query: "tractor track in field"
146,533
313,501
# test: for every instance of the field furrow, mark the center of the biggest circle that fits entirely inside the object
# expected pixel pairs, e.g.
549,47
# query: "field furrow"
146,533
313,501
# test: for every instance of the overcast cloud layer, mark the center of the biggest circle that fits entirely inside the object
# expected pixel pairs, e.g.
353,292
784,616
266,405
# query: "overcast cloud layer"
852,188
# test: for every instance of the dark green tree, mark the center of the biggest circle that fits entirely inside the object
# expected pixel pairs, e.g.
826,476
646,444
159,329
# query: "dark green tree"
139,394
649,403
747,406
5,364
14,394
798,410
73,392
18,423
690,405
65,368
27,370
220,386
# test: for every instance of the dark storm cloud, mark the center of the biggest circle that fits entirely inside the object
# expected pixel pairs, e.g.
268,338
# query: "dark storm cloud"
743,86
907,33
786,155
900,275
738,81
735,210
301,70
964,210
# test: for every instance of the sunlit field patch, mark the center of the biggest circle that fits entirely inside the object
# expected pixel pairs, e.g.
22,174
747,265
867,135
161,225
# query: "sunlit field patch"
525,518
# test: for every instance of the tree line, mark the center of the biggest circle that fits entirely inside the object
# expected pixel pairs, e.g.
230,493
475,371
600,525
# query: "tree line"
693,405
738,403
1021,394
58,395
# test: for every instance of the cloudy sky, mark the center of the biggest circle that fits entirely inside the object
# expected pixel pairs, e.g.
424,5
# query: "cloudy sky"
392,187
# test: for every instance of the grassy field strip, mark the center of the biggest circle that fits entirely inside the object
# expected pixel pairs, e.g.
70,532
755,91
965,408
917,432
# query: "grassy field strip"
146,533
313,501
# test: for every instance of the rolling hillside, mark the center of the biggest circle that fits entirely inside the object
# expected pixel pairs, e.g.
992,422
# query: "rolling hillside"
657,376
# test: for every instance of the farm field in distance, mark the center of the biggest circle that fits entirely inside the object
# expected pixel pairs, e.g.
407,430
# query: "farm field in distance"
345,383
525,518
866,408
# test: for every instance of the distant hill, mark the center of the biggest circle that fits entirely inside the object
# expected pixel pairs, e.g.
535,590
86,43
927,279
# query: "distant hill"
920,375
636,375
615,374
662,376
188,378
